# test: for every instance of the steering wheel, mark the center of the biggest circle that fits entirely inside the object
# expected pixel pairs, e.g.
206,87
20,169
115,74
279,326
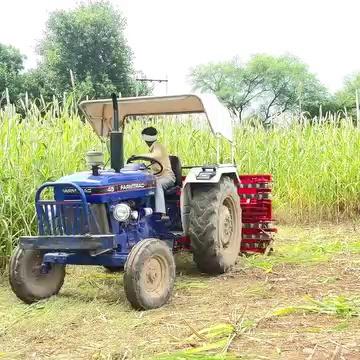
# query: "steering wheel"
148,159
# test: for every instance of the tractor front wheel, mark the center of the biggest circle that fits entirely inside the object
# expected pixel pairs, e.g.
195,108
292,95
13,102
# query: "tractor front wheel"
149,274
29,280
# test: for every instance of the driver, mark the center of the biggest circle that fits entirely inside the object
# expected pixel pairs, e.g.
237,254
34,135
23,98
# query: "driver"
166,178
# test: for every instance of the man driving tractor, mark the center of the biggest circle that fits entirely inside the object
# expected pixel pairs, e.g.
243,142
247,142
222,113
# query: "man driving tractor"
166,178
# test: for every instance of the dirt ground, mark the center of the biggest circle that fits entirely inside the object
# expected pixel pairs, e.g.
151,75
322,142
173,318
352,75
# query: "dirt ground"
301,302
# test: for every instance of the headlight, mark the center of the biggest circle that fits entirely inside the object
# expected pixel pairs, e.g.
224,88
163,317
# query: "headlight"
122,212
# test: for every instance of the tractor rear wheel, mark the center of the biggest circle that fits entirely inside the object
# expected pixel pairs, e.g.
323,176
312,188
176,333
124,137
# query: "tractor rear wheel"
215,226
27,279
149,274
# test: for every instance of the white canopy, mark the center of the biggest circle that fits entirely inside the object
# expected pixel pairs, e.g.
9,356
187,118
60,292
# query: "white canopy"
100,112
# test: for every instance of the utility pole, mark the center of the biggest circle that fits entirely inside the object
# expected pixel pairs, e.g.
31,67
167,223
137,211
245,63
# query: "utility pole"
357,109
300,100
152,81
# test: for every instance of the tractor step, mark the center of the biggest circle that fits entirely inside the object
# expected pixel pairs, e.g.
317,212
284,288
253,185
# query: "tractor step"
68,243
79,258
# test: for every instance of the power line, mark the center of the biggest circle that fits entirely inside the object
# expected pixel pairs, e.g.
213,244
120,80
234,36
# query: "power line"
153,80
166,81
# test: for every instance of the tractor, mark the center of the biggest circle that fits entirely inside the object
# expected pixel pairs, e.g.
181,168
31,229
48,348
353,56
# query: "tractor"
106,217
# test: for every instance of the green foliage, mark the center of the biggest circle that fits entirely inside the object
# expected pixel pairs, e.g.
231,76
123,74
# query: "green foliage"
36,83
237,86
83,49
11,65
288,85
270,85
306,252
346,97
34,152
341,306
90,42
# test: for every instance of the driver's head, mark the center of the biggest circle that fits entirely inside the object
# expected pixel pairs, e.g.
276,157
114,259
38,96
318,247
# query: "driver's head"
149,135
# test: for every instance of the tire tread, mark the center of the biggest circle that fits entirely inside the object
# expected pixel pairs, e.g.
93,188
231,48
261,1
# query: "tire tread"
204,225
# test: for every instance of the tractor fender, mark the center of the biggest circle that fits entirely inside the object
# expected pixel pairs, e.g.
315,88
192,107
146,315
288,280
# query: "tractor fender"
194,178
216,173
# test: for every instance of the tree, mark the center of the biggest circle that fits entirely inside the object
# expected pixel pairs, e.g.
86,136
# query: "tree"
11,65
346,97
288,85
233,83
86,48
267,84
36,83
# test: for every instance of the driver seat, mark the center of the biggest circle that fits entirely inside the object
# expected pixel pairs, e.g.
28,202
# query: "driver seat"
177,170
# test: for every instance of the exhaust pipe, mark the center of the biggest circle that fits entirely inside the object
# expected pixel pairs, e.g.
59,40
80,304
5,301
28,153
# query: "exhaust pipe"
116,139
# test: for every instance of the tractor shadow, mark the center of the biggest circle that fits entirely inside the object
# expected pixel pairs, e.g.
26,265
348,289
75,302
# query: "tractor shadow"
88,284
186,266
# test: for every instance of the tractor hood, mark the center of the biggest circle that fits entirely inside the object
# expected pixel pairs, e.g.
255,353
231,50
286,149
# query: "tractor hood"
110,186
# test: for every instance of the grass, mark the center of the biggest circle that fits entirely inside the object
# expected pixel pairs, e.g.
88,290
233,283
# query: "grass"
334,305
314,248
250,313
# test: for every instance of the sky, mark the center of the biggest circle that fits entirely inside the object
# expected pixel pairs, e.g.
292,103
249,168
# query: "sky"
169,37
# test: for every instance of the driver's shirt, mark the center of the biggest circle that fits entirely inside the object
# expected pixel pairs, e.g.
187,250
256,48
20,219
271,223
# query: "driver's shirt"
159,153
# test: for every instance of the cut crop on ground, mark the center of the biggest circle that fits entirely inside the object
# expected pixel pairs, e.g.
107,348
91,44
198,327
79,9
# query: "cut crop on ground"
302,304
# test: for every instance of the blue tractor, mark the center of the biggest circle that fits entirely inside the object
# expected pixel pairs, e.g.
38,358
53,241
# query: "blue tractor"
105,216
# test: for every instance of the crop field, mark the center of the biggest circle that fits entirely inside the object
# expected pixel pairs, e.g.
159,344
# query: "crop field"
301,302
315,168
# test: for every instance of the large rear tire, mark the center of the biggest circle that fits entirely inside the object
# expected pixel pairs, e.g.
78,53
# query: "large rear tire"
149,274
27,280
215,226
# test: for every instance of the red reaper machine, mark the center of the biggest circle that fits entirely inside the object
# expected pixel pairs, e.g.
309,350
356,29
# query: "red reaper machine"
105,216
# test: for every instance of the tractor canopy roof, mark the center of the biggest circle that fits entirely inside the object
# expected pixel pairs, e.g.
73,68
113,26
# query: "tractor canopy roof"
100,112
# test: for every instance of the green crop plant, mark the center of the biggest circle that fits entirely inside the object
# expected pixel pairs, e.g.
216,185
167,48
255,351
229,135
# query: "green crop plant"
315,167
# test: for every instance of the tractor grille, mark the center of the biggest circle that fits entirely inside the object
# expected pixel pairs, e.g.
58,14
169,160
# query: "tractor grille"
70,217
